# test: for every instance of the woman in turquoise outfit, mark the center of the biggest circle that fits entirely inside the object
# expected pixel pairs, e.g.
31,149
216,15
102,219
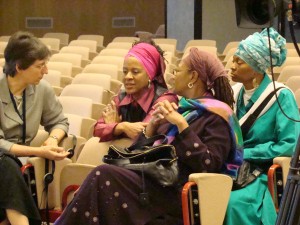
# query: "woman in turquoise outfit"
271,135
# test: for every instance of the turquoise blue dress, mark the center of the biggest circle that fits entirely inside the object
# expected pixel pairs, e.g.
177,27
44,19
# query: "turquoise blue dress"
271,135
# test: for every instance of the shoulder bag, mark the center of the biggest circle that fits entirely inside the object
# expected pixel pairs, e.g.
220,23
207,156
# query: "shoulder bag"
248,172
158,162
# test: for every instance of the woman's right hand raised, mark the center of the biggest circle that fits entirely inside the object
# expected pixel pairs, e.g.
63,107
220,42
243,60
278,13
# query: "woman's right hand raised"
53,152
110,114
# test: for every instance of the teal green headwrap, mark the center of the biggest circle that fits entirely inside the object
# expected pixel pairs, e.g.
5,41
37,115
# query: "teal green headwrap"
254,50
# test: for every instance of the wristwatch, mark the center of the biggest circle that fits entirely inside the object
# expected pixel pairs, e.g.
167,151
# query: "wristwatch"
54,137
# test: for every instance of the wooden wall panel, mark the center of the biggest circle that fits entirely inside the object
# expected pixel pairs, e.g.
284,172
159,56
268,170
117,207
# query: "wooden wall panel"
82,16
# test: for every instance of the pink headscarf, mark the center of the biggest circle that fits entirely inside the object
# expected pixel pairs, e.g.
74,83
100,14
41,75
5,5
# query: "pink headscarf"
208,66
151,60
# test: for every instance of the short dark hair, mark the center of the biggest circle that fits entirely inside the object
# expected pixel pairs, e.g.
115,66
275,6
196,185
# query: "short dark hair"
23,48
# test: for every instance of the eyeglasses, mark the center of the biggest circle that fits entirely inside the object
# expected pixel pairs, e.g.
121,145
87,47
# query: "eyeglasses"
41,66
175,71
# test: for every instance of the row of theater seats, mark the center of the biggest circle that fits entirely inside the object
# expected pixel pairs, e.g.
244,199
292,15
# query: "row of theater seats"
70,173
209,208
84,164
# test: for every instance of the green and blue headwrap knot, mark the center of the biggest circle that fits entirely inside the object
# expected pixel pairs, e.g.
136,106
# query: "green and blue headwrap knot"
254,50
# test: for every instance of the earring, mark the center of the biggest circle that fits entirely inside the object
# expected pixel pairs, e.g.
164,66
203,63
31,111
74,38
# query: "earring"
254,82
190,85
149,83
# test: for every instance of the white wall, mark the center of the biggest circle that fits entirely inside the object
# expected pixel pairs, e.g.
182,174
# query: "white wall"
180,21
218,22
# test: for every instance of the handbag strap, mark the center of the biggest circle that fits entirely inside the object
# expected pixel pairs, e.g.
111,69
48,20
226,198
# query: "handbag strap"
251,119
149,141
255,173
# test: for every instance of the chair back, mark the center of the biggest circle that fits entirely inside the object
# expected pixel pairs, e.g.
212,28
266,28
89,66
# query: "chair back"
91,44
102,80
116,60
199,42
81,126
92,37
53,77
63,37
125,39
114,52
210,49
110,69
287,72
230,45
64,67
213,196
120,45
80,106
293,83
54,43
83,51
93,92
75,59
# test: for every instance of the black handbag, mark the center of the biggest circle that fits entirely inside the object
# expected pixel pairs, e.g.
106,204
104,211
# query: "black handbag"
158,162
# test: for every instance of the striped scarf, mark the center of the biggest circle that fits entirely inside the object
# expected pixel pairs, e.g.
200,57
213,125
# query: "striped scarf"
191,109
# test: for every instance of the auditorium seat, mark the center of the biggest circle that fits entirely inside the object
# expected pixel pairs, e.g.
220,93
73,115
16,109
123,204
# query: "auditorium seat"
94,37
4,38
120,45
2,47
293,83
125,39
64,67
83,51
91,44
103,68
93,92
63,37
287,72
114,52
74,59
54,44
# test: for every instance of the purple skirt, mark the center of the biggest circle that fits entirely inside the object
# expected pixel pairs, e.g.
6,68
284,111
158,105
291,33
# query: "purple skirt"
111,195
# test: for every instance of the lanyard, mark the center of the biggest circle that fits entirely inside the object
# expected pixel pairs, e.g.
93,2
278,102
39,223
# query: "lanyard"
23,118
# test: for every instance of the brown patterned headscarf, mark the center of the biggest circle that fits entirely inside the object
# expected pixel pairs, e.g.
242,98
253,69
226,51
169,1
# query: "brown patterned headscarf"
208,66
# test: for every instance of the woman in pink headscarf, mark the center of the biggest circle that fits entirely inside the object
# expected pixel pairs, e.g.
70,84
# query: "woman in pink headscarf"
206,138
144,86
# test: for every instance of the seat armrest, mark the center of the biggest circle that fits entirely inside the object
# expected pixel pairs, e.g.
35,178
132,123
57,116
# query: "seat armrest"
65,80
53,189
97,109
186,199
67,143
87,128
115,85
277,176
284,162
72,174
214,192
40,138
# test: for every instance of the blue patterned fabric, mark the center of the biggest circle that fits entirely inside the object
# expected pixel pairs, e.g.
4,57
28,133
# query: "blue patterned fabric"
192,109
254,50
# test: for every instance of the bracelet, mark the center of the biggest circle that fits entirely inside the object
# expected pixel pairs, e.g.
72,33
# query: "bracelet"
144,133
54,137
